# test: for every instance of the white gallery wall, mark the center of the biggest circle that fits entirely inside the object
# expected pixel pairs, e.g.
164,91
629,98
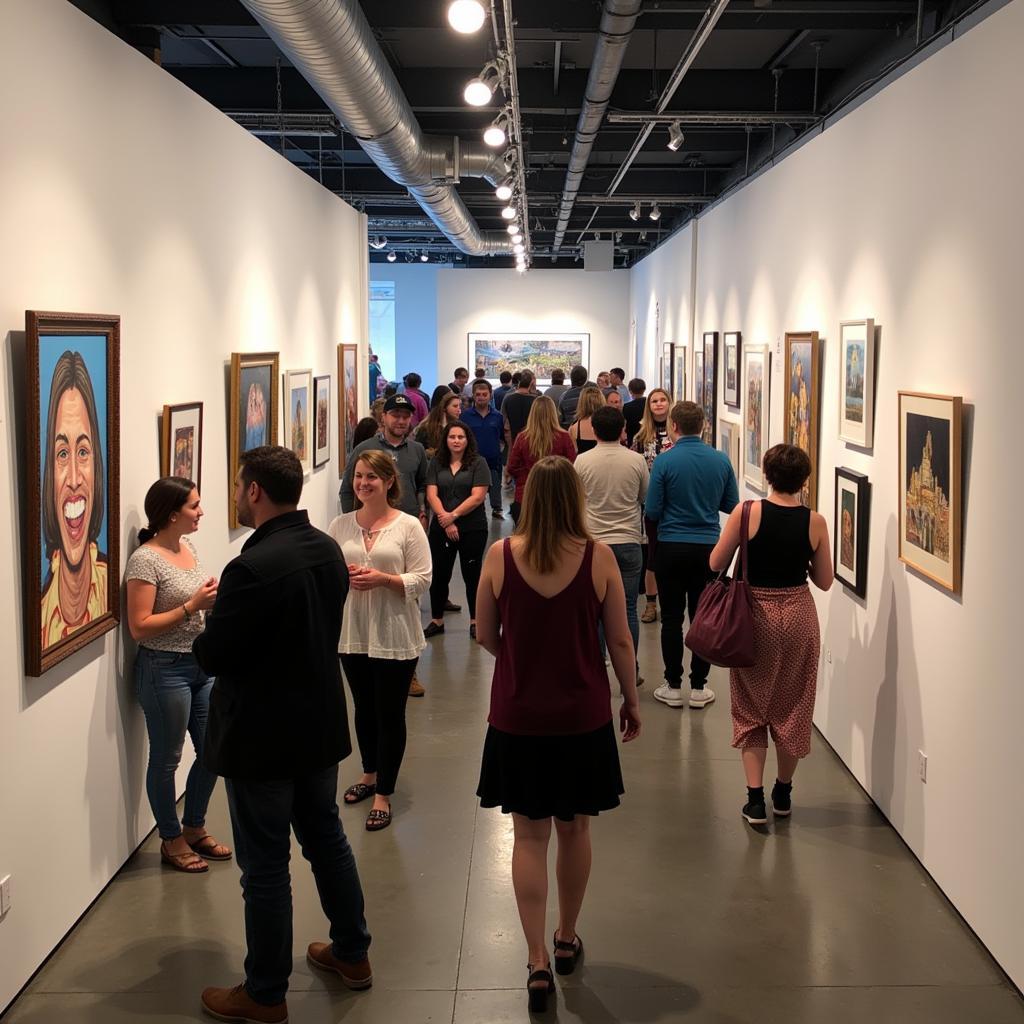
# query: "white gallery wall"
902,212
123,192
544,300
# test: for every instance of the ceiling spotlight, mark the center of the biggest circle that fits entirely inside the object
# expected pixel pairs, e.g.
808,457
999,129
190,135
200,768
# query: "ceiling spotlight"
517,238
495,134
675,136
518,248
424,258
655,213
479,90
466,16
634,214
379,242
504,191
509,213
392,257
513,228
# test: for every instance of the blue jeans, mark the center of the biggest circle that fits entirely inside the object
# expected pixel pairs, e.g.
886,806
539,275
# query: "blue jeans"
630,561
262,814
175,696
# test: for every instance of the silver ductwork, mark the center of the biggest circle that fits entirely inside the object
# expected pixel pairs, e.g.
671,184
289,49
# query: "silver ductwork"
617,21
332,46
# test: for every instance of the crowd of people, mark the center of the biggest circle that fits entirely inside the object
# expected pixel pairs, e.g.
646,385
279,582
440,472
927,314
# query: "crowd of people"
613,491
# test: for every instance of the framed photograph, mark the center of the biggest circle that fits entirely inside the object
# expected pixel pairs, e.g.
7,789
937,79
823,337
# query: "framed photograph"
708,399
732,348
252,411
853,508
298,397
679,375
73,460
930,486
668,354
181,442
729,442
542,353
803,369
857,381
348,402
698,375
757,365
321,420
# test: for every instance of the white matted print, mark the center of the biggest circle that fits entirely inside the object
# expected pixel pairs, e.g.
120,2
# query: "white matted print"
321,420
757,382
729,442
298,396
857,382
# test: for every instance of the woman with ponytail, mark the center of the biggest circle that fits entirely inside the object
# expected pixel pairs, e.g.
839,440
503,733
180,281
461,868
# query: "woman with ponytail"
168,593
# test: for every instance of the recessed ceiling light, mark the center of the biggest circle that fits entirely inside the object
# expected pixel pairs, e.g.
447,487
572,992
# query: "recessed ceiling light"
466,16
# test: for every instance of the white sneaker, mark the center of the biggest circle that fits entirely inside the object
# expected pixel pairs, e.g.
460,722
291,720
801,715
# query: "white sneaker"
701,698
673,698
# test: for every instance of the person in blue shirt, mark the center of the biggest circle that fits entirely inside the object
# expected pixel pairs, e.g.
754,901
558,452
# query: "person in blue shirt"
488,427
505,386
375,372
616,376
690,484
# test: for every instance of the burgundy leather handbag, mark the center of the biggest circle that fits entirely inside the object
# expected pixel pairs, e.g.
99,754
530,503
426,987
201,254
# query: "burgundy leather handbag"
722,631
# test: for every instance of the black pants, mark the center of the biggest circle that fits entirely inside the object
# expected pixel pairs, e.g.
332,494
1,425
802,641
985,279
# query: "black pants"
470,549
514,509
380,691
682,572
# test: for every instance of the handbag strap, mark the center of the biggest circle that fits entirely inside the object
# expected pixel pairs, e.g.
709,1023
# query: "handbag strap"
741,569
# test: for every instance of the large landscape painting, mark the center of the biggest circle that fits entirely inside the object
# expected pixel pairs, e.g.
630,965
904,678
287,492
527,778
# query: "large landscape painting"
542,353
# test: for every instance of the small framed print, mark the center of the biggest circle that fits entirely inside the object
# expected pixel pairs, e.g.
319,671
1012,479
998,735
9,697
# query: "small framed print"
729,442
679,375
298,394
857,382
853,509
321,420
800,416
349,402
181,442
732,349
253,412
668,350
757,364
708,398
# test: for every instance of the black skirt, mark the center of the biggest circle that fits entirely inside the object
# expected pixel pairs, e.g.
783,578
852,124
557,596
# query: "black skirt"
551,776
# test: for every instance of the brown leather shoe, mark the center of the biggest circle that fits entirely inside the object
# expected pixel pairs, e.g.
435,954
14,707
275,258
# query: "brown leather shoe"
416,688
355,976
235,1004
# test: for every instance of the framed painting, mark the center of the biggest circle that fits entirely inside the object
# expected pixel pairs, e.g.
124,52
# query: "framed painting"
544,352
668,352
252,411
853,498
298,397
729,442
800,415
732,349
322,420
181,442
698,375
857,381
757,364
708,399
73,461
348,402
679,374
930,485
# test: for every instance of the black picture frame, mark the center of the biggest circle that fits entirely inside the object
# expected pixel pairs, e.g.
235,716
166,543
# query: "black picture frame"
732,341
709,399
850,550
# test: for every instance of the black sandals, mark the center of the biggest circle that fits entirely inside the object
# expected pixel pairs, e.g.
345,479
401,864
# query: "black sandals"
567,964
539,985
359,792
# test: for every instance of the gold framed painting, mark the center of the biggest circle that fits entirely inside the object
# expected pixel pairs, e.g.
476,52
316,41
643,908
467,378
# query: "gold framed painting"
252,411
348,402
803,370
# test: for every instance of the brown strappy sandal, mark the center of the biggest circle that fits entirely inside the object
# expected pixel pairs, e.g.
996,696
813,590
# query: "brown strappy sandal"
187,863
208,848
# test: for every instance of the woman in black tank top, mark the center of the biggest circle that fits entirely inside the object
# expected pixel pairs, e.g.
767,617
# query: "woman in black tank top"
786,543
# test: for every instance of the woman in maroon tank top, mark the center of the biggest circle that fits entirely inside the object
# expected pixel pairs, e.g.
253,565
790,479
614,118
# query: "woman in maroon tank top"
550,751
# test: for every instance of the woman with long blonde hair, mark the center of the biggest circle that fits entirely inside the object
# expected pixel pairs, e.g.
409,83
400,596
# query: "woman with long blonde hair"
550,751
651,440
581,432
541,436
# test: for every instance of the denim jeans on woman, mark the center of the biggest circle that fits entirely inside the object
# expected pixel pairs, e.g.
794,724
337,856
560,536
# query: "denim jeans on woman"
629,558
175,696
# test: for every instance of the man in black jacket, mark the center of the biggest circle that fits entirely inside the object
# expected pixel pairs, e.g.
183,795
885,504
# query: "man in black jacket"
633,410
277,730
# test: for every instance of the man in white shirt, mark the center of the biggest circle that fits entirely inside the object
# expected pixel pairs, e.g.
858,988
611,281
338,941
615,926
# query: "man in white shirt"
615,483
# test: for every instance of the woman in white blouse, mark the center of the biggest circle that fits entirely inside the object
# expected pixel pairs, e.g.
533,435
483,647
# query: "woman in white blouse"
389,569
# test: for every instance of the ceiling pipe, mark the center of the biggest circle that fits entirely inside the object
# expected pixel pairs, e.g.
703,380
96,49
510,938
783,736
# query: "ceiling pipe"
617,21
332,46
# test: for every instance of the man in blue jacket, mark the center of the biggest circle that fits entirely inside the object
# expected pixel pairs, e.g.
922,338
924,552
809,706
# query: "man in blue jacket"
690,484
488,428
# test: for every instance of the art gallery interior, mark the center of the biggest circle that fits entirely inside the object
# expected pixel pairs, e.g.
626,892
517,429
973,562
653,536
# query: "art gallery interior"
895,889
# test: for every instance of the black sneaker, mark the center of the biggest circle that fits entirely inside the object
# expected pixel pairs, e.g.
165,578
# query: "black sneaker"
496,513
782,799
433,629
755,812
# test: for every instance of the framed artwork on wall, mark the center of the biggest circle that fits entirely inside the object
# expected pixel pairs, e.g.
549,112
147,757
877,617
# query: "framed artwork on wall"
348,402
708,399
298,396
252,411
733,347
181,442
543,352
857,381
729,442
679,374
800,415
698,375
668,352
757,364
321,420
72,468
853,508
930,485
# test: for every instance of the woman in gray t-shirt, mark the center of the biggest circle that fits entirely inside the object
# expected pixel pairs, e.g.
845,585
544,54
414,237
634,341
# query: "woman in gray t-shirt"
168,593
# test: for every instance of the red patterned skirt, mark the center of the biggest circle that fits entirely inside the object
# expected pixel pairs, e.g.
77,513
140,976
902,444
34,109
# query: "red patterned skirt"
777,693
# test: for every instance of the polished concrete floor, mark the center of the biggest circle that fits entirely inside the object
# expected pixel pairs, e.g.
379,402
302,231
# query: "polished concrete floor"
692,916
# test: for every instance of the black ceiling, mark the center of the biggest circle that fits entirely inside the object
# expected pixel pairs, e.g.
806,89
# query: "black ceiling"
803,58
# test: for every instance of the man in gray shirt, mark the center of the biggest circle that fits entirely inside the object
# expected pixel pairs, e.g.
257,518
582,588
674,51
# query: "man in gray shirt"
558,387
567,406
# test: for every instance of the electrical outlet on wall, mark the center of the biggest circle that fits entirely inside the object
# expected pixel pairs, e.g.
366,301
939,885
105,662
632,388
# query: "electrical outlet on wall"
922,765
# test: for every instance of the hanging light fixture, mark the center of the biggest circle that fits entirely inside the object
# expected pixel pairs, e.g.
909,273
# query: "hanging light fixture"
634,214
392,257
675,136
504,191
424,258
509,213
513,228
519,248
479,90
495,134
517,238
466,16
655,213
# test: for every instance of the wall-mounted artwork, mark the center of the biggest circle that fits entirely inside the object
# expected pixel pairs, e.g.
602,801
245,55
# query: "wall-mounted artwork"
298,397
679,375
542,353
801,412
181,442
321,420
733,348
856,381
930,485
708,398
252,412
668,353
72,475
757,363
729,442
853,498
348,402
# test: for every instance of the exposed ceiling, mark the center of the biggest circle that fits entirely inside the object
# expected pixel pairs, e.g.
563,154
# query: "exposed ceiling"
769,70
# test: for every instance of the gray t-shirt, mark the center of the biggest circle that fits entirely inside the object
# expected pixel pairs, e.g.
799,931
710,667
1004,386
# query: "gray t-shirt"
174,587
